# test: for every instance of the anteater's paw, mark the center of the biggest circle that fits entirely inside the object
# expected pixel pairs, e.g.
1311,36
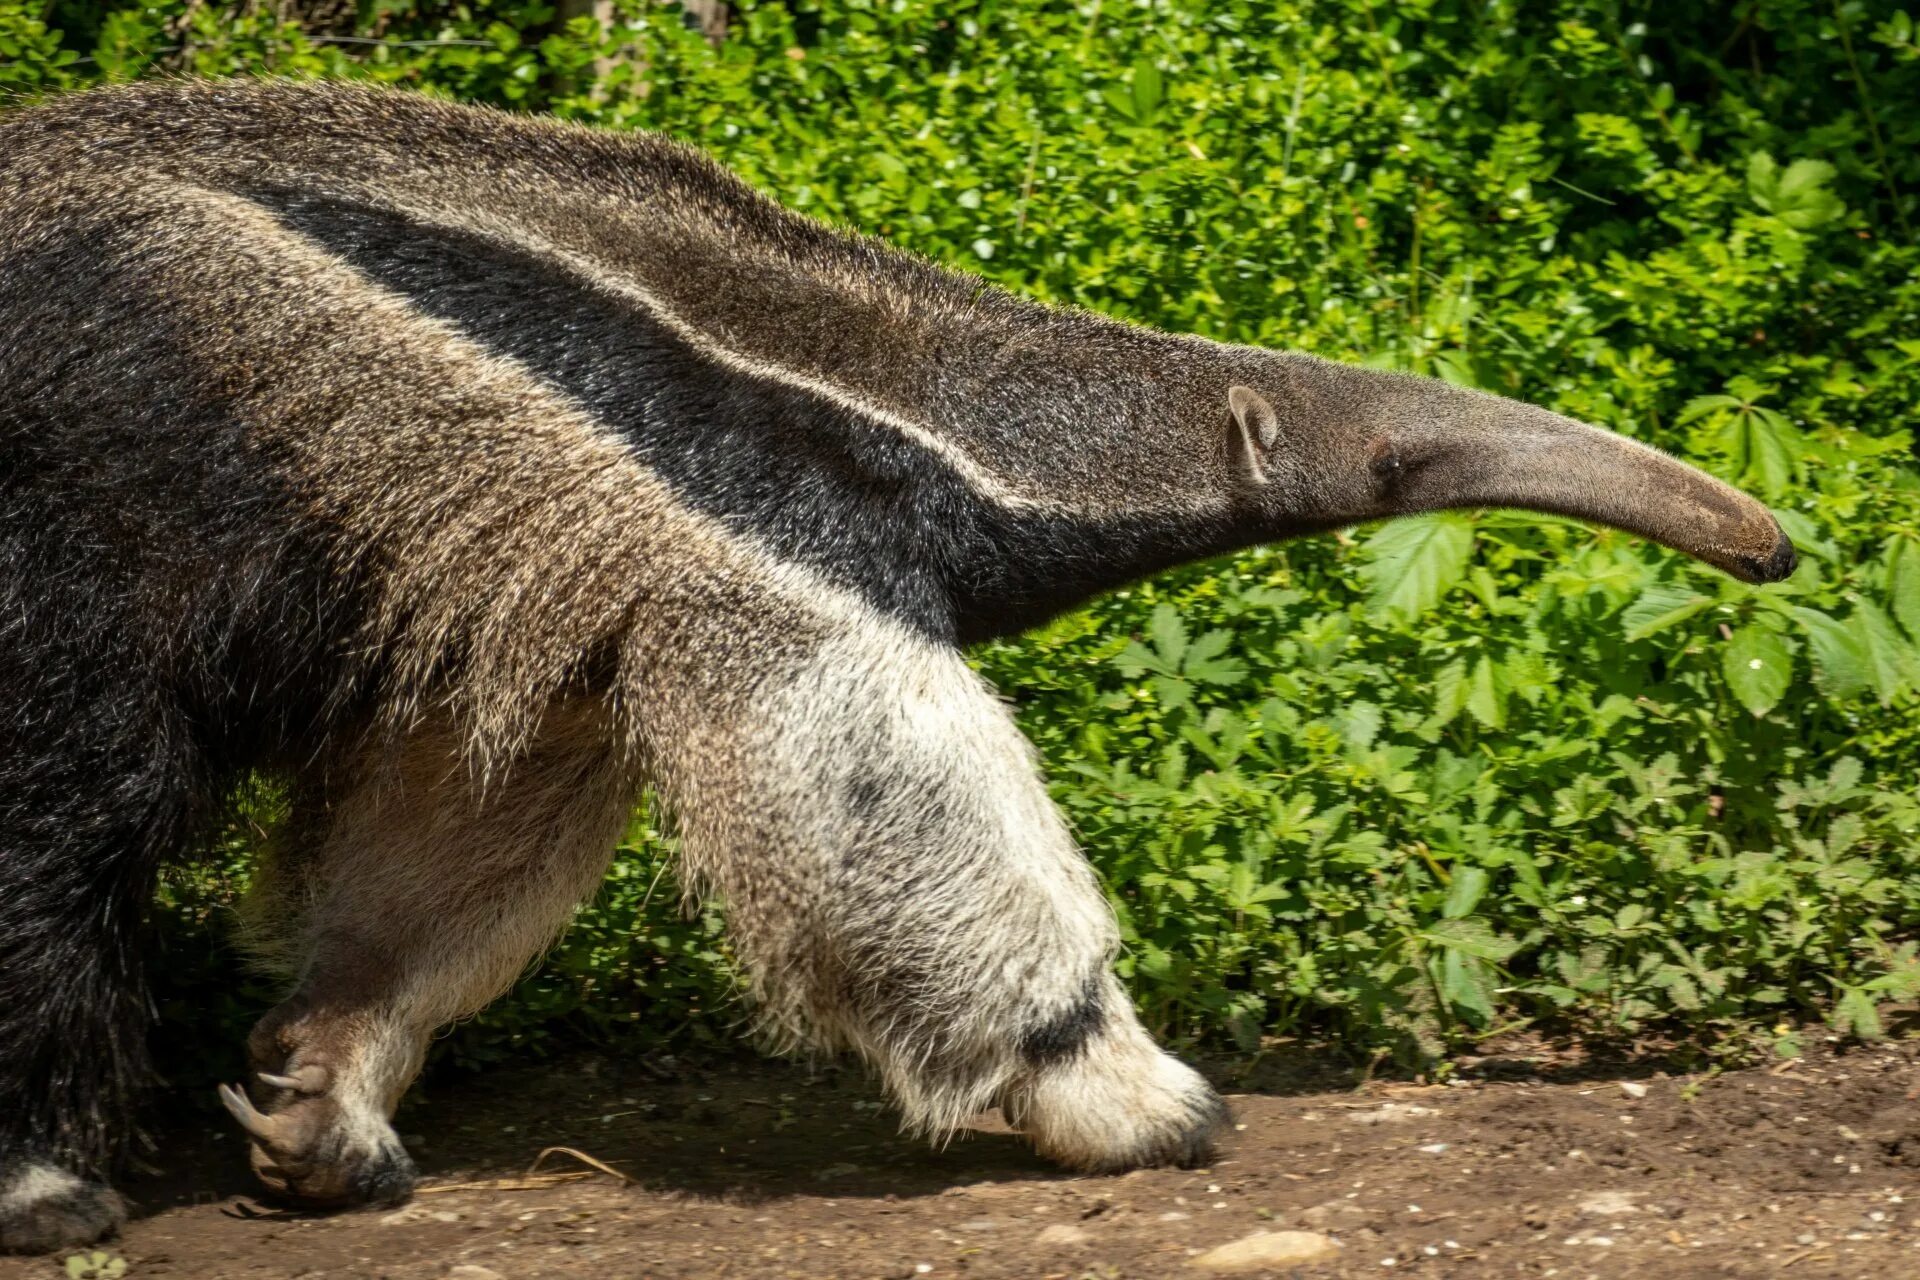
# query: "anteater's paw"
44,1208
1118,1104
311,1151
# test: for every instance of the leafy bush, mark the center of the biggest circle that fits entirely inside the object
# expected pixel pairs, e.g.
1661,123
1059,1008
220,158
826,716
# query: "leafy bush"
1418,784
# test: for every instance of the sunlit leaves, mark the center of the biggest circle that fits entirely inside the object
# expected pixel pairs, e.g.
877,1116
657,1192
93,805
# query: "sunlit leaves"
1892,664
1450,691
1177,663
1758,667
1838,657
1903,584
1486,698
1797,195
1660,607
1139,99
1864,653
1413,563
1761,443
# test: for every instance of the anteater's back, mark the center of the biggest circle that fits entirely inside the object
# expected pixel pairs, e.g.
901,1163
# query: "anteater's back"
310,393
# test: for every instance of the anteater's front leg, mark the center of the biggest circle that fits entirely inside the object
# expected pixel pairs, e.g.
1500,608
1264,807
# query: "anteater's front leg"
899,883
418,896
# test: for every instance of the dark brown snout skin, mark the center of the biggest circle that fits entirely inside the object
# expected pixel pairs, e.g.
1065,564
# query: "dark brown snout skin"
1777,567
1759,551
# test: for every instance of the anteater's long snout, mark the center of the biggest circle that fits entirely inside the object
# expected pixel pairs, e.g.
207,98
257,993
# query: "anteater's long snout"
1544,462
1433,446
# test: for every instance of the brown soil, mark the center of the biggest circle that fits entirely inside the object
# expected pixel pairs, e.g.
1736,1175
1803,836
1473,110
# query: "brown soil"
764,1170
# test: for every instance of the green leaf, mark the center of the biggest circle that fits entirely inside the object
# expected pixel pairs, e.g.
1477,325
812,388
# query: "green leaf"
1455,367
1798,197
1701,406
1892,665
1758,667
1172,691
1772,446
1681,989
1136,658
1855,1013
1486,701
1464,894
1838,657
1145,86
1763,446
1472,935
1464,984
1360,725
1415,562
1204,665
1449,694
1169,635
1903,584
1660,607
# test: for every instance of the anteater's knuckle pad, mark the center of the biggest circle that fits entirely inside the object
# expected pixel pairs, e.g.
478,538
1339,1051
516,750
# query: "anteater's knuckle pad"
43,1208
329,1154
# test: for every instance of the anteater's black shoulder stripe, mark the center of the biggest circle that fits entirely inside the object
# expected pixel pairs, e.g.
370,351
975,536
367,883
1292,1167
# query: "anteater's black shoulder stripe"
809,479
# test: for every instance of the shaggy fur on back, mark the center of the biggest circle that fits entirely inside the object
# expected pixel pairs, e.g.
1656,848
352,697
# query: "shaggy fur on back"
468,471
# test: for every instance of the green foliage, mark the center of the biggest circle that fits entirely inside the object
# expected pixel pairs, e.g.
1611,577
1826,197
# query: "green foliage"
1441,778
95,1265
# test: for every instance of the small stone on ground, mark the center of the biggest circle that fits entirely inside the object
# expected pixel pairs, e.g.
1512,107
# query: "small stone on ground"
1265,1250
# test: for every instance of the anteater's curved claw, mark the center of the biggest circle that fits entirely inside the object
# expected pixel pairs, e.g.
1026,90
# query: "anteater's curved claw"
241,1108
310,1079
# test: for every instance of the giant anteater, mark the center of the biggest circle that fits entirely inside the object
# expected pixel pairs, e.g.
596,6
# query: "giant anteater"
468,472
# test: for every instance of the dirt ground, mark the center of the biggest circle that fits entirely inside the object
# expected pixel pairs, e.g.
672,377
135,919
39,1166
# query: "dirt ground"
1805,1170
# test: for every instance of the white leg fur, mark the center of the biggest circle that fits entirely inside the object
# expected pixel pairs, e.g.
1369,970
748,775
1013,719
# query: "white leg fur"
899,882
1120,1103
44,1207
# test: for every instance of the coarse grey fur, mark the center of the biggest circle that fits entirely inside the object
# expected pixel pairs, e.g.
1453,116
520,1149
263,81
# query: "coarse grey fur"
467,472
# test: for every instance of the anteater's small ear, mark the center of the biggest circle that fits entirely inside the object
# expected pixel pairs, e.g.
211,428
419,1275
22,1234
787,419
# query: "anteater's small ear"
1251,434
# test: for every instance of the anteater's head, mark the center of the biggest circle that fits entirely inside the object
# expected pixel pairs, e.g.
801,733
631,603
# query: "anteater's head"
1312,444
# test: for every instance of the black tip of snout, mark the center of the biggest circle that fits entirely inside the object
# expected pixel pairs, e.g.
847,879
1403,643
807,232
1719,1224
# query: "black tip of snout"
1777,567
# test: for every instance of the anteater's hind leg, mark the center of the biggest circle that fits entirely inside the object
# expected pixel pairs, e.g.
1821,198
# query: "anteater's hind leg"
419,897
97,787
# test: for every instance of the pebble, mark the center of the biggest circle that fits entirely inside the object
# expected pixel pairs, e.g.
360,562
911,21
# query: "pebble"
1608,1203
1063,1233
1633,1088
1392,1113
413,1213
469,1271
1264,1250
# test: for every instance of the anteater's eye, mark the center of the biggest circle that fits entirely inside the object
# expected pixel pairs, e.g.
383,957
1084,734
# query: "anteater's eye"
1386,459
